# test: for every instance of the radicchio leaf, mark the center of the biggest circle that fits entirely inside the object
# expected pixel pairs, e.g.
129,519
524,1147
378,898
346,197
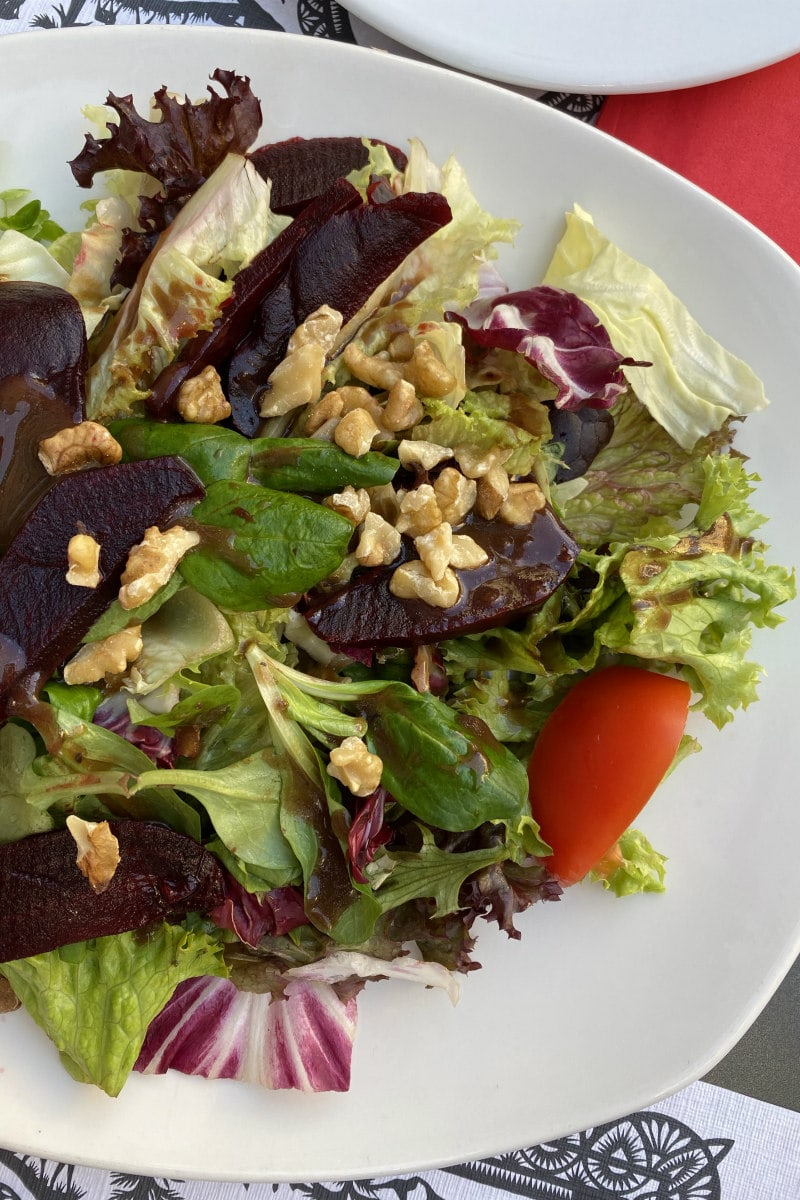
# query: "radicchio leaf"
559,335
303,1040
367,833
113,714
345,965
252,917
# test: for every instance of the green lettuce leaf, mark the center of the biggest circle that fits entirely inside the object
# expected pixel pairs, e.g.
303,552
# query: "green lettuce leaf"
635,867
96,999
694,384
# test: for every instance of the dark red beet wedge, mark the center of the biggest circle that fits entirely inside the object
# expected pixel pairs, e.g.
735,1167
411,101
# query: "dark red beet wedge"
300,169
42,617
343,263
42,379
526,564
214,346
46,901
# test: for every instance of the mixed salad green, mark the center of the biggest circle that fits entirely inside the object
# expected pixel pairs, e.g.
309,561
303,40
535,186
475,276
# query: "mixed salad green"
426,506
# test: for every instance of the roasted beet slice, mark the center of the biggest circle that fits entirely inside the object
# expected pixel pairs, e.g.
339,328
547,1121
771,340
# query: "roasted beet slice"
46,901
42,617
526,564
42,378
302,168
214,346
343,263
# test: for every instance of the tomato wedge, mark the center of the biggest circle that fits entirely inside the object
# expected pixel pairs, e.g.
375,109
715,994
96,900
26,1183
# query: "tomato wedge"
598,759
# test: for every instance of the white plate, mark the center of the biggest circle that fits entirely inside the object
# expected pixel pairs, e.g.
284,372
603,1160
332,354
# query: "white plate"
604,1005
597,46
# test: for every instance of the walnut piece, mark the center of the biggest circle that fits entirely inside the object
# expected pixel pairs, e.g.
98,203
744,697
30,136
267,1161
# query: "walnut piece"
352,503
401,347
402,409
375,372
466,554
353,765
83,561
98,851
523,502
422,454
297,380
475,463
413,581
435,548
327,408
455,495
419,511
492,492
428,373
201,400
77,447
152,563
110,656
379,543
320,328
356,432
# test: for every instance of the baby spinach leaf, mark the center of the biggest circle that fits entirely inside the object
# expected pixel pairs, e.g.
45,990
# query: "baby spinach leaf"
278,544
308,465
446,768
287,464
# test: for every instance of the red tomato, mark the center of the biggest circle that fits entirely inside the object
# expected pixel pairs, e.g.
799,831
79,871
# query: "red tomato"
598,759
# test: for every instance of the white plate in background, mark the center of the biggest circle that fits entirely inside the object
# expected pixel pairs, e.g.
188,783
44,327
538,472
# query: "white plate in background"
605,1005
596,46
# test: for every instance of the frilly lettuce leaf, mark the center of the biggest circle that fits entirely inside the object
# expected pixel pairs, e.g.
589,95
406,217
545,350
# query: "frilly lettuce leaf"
639,483
694,385
480,421
21,257
450,261
96,999
633,866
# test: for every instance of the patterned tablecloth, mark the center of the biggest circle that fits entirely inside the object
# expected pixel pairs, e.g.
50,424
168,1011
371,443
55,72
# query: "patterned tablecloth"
705,1143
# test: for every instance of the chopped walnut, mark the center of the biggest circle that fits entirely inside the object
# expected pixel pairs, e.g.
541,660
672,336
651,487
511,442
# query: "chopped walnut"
492,492
353,765
379,543
401,347
402,409
77,447
455,495
428,373
296,381
375,372
466,554
422,454
475,463
413,581
385,501
435,548
201,400
351,503
98,851
356,432
111,656
524,501
83,561
327,408
152,563
320,328
419,511
355,396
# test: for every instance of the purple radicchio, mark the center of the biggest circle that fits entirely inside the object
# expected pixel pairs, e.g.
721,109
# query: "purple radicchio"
367,833
113,714
252,917
558,334
303,1040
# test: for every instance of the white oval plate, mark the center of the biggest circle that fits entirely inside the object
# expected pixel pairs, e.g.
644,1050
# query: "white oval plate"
604,1005
596,46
